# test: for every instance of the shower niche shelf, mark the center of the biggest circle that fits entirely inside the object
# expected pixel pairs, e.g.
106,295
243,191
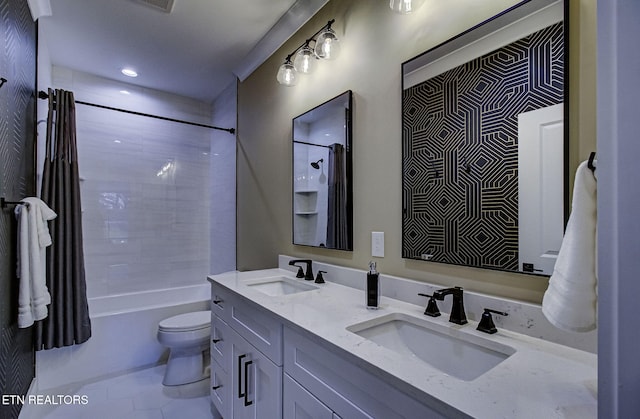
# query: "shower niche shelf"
306,202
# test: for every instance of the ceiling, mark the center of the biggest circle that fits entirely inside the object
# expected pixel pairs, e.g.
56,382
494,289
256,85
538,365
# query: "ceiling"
196,50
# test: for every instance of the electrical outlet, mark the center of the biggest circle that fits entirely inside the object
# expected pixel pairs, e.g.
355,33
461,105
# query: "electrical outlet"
377,244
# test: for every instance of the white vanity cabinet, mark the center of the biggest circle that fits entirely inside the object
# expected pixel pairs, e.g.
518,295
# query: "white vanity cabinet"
308,360
261,368
246,358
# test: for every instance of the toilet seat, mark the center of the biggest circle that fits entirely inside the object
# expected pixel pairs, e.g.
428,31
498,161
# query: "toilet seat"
186,322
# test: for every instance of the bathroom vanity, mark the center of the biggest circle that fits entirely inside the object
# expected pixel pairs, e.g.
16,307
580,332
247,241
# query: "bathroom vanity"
287,348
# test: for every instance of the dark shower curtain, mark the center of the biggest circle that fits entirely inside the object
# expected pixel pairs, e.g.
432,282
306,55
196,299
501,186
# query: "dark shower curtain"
337,223
68,322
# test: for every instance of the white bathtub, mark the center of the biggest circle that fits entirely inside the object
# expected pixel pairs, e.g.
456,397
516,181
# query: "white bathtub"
147,300
123,329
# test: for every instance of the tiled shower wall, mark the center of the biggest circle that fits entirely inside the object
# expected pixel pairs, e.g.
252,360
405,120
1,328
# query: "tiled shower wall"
145,186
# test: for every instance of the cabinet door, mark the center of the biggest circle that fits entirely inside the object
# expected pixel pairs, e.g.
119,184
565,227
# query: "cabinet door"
298,403
256,382
221,390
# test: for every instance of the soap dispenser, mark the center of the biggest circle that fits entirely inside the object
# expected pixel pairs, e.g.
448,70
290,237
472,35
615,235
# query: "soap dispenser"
373,287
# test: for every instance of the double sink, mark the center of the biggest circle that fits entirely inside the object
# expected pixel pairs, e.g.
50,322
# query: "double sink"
445,347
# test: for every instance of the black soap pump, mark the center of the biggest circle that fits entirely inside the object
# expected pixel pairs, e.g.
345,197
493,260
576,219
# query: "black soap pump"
373,287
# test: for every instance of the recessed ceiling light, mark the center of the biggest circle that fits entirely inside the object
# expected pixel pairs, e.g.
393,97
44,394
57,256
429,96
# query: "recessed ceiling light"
129,72
125,92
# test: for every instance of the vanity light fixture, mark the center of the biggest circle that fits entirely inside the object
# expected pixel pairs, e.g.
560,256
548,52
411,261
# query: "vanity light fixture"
326,46
305,59
287,74
404,6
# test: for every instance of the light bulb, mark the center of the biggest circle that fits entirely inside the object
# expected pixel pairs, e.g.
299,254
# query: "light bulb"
305,60
404,6
287,74
327,45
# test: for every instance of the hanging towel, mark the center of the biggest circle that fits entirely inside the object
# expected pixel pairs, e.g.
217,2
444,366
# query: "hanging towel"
570,300
33,239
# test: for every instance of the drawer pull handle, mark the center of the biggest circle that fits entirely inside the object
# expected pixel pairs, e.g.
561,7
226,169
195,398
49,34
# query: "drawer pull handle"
216,387
216,340
247,402
240,357
218,301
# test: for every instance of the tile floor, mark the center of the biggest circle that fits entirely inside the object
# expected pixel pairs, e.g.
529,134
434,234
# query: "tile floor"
138,395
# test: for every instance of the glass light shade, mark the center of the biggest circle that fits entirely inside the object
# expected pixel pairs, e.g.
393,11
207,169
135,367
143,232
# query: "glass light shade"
287,74
327,45
305,60
404,6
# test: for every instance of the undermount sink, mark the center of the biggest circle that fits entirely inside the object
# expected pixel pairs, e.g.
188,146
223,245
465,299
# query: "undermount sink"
461,355
280,285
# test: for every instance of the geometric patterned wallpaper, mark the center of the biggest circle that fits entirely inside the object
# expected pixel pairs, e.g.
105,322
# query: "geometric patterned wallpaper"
460,151
17,169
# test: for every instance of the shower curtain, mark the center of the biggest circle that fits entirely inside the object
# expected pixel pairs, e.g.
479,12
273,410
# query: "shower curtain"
68,322
337,223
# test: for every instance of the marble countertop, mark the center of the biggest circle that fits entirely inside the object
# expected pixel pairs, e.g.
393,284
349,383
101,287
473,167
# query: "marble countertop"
541,379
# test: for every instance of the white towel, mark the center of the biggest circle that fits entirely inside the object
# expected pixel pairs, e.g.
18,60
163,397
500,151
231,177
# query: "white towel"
570,300
33,238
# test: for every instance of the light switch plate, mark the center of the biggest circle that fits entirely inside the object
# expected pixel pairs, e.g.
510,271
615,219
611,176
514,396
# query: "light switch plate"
377,244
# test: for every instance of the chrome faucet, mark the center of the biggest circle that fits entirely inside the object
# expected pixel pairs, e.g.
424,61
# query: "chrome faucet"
308,275
457,315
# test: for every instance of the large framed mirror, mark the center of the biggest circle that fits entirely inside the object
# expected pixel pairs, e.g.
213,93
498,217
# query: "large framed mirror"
322,185
485,143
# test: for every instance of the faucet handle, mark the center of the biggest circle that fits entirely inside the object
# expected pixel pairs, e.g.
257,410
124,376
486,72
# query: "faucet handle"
319,278
300,273
486,322
432,306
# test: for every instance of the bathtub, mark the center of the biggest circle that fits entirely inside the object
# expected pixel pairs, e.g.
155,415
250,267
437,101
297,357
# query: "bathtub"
147,300
123,329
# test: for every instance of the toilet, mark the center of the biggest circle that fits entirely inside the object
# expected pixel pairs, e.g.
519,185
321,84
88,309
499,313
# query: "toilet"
187,337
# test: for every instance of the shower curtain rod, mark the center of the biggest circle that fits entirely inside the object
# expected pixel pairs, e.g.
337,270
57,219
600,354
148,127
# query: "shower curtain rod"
315,145
44,95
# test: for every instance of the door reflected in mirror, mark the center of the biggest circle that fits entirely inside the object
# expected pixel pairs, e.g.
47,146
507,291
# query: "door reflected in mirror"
485,144
322,187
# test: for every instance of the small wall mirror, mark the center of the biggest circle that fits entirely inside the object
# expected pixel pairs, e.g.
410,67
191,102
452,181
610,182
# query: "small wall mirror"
322,186
485,144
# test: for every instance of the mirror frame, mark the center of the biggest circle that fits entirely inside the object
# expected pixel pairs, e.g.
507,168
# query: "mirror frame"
348,146
495,23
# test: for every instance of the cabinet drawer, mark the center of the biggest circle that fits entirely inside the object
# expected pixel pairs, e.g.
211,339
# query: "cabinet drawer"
259,327
219,301
220,390
298,403
220,340
350,391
